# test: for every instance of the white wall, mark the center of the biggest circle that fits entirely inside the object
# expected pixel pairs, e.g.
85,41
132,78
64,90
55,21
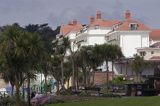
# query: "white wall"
72,35
129,43
145,40
97,39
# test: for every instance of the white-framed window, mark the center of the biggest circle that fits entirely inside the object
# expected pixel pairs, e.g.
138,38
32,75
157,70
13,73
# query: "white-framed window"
142,53
133,26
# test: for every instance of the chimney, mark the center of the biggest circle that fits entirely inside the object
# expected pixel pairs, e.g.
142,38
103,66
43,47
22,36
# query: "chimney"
127,15
70,23
91,20
98,15
74,22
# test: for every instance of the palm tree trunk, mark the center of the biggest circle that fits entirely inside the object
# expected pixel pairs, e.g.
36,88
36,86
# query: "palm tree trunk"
23,91
84,78
57,86
62,73
68,83
107,70
18,101
112,69
88,78
12,89
93,77
45,83
73,73
28,93
77,81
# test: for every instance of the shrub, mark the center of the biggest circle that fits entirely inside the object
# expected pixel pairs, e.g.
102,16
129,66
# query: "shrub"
10,101
84,94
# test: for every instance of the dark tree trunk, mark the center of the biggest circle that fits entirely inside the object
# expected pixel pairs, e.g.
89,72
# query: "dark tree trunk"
29,92
68,83
45,83
107,79
112,70
88,78
62,73
93,77
73,73
12,91
57,86
23,91
18,101
84,78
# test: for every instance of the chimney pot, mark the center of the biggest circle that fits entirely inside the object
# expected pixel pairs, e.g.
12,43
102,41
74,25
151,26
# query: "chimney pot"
74,22
98,15
91,20
70,23
127,15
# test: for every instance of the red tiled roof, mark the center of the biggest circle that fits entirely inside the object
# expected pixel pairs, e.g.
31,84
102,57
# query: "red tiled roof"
98,21
65,29
125,25
155,34
104,23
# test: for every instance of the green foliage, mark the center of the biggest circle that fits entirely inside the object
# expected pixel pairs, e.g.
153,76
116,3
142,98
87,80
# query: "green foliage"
118,79
65,92
85,94
9,101
138,64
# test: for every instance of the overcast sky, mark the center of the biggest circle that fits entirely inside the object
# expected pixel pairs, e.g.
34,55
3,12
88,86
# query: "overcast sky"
56,12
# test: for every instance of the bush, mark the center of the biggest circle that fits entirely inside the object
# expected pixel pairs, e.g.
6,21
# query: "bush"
7,101
10,101
65,92
84,94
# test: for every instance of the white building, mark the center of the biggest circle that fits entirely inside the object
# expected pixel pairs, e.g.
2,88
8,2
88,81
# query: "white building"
129,34
95,32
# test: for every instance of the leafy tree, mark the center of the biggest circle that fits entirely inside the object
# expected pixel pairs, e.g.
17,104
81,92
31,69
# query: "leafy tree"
138,65
60,49
107,53
20,51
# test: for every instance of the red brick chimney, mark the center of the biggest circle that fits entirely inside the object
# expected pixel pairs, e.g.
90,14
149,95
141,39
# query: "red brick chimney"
98,15
70,23
74,22
127,15
91,20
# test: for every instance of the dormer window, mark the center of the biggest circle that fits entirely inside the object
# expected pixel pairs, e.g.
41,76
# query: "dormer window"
133,26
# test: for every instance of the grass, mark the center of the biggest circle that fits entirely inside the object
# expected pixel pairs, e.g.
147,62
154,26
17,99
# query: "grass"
133,101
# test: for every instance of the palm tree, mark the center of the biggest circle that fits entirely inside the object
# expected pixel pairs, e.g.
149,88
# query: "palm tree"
60,49
107,53
56,70
34,51
138,65
85,60
19,49
12,50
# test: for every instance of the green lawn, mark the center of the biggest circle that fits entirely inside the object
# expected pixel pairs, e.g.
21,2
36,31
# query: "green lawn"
136,101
